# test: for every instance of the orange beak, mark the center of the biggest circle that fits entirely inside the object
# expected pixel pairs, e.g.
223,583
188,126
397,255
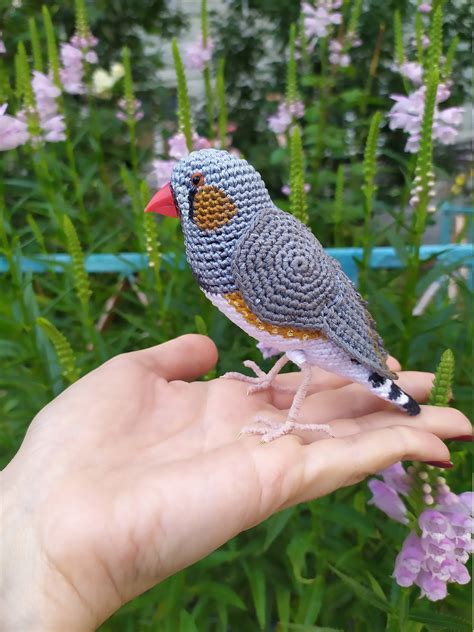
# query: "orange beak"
163,202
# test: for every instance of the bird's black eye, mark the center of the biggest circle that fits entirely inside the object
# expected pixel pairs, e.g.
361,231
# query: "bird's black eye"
197,179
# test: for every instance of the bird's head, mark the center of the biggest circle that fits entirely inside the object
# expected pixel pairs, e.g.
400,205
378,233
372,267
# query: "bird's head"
211,189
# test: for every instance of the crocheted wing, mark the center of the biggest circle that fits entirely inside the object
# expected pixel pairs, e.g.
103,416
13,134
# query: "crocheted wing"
287,279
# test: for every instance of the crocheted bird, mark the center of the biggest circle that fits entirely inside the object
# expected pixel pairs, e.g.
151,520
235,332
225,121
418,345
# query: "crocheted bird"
268,274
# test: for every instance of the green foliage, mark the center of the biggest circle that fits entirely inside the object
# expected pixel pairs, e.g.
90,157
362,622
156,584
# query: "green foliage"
53,59
369,168
436,39
441,392
424,165
291,72
339,205
81,280
25,89
184,109
324,565
298,203
370,162
35,45
66,357
221,103
206,72
398,38
450,54
24,81
82,23
353,25
5,88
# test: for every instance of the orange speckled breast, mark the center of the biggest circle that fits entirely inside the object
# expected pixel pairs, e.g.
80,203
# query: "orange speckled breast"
212,208
236,300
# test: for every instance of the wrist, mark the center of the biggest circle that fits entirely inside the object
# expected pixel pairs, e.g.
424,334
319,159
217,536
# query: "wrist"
33,596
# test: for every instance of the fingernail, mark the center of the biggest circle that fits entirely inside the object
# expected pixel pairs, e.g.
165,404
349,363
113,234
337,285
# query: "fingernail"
466,438
442,464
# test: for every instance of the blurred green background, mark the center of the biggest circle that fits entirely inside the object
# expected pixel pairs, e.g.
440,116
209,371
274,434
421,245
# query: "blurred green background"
325,565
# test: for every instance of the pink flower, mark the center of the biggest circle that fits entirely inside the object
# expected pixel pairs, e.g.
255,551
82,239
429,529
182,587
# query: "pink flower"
13,131
84,42
336,56
54,129
319,19
286,189
72,71
387,500
163,169
282,120
91,57
3,49
177,147
439,555
434,525
412,71
431,586
408,562
407,114
424,7
73,56
397,478
130,111
198,56
46,94
50,120
200,142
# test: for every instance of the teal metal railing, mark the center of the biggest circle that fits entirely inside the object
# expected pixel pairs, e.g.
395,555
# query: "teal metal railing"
128,263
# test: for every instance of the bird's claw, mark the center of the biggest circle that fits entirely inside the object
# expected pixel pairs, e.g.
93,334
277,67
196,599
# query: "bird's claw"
262,381
271,430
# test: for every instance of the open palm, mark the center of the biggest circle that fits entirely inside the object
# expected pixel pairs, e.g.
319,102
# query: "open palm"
134,473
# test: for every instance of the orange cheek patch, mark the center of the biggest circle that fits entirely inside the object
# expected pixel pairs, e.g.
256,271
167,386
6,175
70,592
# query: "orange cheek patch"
238,303
212,208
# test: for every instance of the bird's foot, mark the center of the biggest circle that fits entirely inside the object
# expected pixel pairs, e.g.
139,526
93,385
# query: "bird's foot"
271,430
263,380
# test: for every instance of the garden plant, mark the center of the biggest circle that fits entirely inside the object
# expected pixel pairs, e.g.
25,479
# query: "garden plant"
351,111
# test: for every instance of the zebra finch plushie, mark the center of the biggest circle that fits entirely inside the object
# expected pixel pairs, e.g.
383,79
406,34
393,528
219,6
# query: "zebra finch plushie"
269,275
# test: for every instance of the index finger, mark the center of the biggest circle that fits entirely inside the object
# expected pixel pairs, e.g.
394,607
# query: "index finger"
333,463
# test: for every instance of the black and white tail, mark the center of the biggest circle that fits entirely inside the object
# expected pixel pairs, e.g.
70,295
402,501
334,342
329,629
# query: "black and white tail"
386,388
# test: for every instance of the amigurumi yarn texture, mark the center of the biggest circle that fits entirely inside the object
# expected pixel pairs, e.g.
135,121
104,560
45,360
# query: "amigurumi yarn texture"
269,274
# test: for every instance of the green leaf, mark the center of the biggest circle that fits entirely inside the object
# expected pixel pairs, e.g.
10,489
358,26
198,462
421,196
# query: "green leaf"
221,104
275,525
221,593
440,621
376,587
283,597
257,582
299,547
441,391
291,72
201,326
311,601
298,627
184,108
186,622
66,357
363,592
298,202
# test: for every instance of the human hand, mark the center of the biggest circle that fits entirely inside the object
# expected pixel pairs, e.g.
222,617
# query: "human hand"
132,474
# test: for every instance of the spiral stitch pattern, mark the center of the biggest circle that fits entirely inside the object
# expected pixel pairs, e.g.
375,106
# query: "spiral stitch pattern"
287,279
238,243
